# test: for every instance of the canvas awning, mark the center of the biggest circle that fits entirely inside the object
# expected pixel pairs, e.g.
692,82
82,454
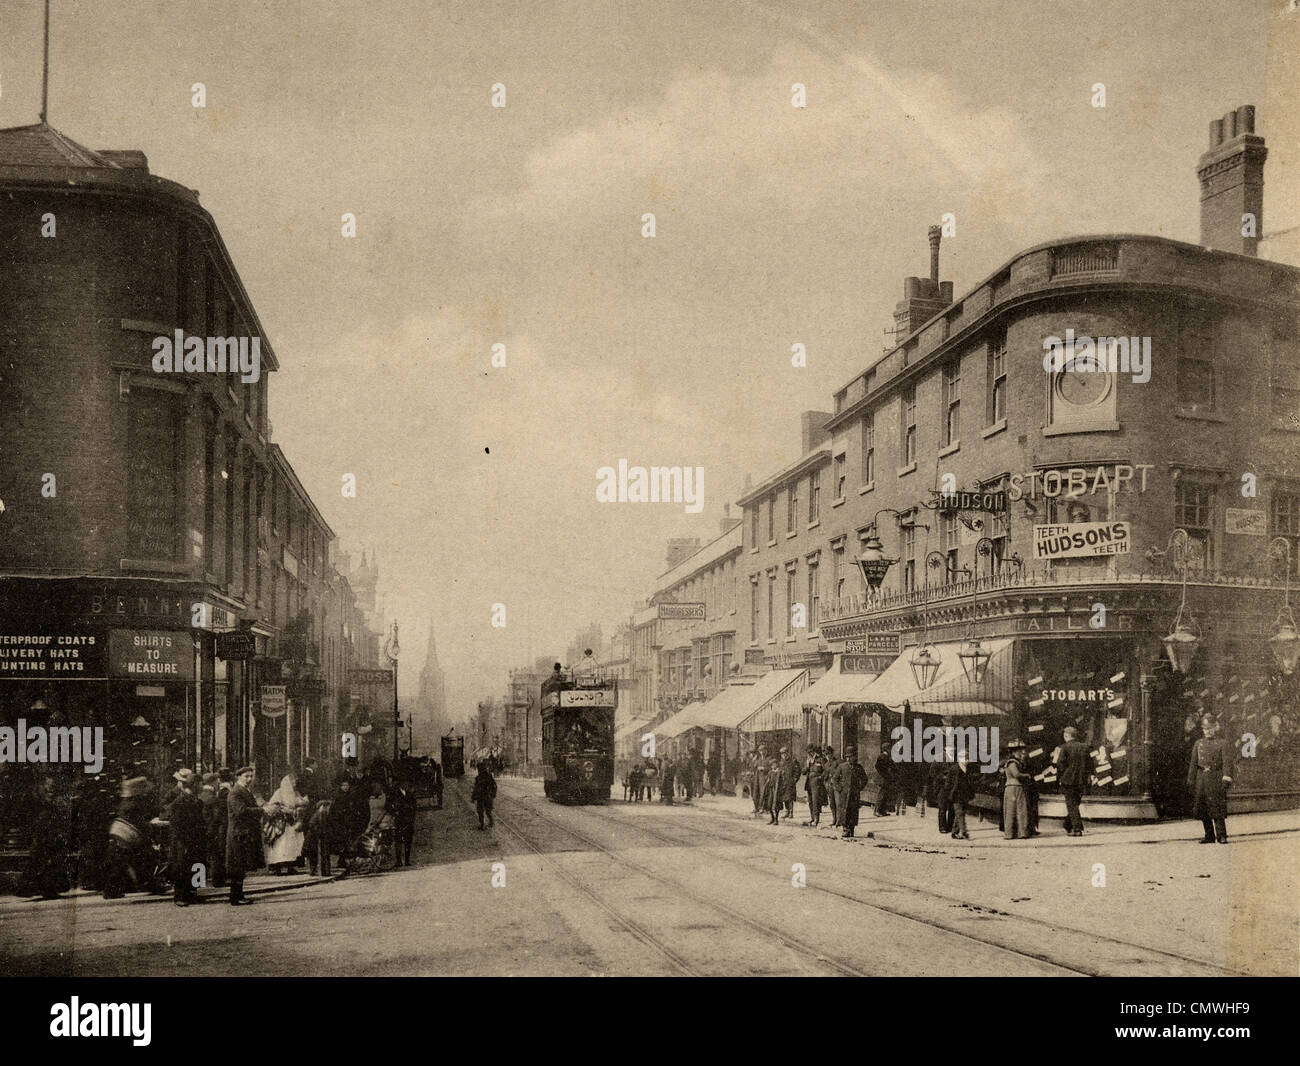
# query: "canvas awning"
951,694
836,687
680,722
747,706
627,729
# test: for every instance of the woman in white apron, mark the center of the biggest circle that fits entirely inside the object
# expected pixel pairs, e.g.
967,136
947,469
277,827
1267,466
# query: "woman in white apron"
282,828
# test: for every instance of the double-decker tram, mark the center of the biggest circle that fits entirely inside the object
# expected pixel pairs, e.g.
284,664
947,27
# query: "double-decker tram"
578,734
453,755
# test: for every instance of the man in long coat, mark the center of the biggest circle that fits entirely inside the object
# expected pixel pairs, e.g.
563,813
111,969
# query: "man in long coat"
187,838
1209,773
850,779
815,786
789,788
1072,778
243,834
758,780
828,779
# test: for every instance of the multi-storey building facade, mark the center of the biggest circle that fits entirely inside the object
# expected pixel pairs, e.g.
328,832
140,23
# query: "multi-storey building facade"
150,527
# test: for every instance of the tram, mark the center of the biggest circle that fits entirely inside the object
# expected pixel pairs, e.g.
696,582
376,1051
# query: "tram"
453,755
578,734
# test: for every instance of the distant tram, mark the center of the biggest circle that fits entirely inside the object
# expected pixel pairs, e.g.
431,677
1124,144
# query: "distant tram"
578,734
453,755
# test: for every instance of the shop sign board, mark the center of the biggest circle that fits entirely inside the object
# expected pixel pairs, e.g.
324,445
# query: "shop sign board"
371,677
754,657
274,701
1081,540
690,612
53,656
885,643
1245,522
151,654
237,645
865,664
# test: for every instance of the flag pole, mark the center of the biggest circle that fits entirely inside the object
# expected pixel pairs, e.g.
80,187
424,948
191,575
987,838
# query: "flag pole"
45,70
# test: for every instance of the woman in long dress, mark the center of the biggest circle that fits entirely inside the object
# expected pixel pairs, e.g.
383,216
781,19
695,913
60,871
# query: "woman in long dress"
283,829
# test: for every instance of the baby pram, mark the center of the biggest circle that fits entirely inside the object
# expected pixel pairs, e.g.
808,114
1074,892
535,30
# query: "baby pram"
374,850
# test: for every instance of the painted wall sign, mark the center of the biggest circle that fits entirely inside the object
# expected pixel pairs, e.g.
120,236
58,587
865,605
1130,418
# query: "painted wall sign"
58,656
693,612
151,654
1081,540
1245,522
1080,481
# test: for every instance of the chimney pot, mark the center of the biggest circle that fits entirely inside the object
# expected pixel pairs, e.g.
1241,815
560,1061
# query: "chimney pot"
1246,119
1216,133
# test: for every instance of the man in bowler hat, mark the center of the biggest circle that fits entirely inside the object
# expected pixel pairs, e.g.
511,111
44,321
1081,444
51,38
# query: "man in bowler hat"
1209,773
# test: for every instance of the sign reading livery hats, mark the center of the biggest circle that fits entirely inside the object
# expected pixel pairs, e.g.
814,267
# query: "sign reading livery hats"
1081,540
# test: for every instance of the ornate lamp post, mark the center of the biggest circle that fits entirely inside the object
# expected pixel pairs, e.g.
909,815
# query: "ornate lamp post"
974,659
925,661
391,652
1285,641
1183,641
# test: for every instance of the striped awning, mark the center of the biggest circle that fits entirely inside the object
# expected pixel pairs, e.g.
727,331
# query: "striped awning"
951,694
680,722
835,687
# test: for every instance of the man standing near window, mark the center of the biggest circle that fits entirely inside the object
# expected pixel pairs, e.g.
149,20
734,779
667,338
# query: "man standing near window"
1209,773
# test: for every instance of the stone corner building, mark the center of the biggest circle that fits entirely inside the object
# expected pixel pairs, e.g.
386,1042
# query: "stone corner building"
151,529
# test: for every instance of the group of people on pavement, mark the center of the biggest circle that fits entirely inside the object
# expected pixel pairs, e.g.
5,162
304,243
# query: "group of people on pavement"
217,830
685,777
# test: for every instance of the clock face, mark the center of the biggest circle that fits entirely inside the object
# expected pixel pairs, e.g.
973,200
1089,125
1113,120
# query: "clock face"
1082,389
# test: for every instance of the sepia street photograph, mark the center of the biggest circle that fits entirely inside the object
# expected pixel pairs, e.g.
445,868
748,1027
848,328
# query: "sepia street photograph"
651,488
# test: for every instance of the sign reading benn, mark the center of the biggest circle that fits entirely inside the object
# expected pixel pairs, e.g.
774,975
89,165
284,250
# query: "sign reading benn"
156,654
693,612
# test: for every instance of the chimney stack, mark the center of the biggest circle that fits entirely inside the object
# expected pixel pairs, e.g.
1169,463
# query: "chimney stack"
936,235
923,298
1232,184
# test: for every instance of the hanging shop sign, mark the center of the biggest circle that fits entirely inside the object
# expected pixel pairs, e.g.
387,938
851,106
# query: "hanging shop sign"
56,656
151,654
274,701
370,677
754,657
1245,522
308,686
993,501
237,645
689,612
212,616
1081,540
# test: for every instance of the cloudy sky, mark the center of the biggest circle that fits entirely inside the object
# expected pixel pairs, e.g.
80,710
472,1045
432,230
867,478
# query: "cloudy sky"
522,226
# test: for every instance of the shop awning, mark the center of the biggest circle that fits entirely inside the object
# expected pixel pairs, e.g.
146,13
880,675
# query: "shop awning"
951,694
627,729
680,722
747,706
836,687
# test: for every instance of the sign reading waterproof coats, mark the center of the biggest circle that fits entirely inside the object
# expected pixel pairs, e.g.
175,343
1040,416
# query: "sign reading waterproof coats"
1081,540
588,697
693,612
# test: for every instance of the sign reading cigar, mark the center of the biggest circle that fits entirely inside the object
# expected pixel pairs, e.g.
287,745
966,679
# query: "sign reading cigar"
691,612
1081,540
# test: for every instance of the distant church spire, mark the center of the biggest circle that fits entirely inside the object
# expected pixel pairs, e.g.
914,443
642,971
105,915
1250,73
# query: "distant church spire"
45,68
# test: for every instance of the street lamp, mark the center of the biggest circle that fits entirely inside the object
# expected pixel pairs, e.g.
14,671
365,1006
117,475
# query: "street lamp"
391,652
1285,641
974,659
873,562
1183,641
925,661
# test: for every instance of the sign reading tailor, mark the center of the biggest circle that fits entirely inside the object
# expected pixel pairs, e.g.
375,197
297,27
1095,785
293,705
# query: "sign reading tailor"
682,611
52,655
1081,540
151,654
591,697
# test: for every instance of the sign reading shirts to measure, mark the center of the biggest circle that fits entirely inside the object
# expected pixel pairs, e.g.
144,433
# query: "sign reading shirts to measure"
1245,522
274,703
1081,540
693,612
150,654
587,697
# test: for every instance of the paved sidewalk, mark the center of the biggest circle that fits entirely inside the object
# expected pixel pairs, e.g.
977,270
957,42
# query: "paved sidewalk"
254,885
912,829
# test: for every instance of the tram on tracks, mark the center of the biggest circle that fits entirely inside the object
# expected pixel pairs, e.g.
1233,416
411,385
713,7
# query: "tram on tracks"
453,755
578,733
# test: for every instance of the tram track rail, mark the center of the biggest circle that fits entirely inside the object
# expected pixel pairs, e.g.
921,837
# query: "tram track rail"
1080,969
